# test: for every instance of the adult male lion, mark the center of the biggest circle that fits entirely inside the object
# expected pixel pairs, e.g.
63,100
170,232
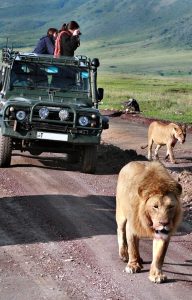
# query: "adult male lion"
164,134
147,205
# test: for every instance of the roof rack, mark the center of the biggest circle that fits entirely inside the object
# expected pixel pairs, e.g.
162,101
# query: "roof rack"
8,55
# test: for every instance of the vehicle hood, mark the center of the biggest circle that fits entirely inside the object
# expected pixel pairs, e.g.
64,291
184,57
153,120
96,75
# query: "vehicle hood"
82,99
76,104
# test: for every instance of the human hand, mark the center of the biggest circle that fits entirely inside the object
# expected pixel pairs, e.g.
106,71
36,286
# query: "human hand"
76,32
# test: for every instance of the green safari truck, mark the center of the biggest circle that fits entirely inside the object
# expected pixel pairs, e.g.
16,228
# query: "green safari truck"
50,104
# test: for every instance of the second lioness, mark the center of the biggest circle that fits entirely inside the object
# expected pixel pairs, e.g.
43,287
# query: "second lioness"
164,134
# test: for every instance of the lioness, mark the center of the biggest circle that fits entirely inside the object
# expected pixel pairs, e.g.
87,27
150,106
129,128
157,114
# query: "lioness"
147,205
162,134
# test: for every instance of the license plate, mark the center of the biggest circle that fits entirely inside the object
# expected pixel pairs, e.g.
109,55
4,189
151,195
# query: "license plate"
52,136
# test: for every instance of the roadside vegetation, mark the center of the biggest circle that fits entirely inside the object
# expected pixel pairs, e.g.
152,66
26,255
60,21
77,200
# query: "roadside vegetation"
164,98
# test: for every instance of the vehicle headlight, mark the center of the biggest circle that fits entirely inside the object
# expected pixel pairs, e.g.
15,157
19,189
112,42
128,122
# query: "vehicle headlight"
83,121
21,115
63,114
43,112
93,116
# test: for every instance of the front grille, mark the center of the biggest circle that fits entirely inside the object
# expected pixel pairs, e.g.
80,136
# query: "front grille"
53,123
50,127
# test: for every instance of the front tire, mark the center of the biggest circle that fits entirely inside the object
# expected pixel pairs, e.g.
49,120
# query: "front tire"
89,159
5,151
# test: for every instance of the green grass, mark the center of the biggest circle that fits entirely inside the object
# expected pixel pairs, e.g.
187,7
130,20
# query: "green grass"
161,98
159,79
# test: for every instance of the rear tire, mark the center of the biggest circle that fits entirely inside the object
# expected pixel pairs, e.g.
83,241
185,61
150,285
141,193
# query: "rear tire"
5,151
89,159
35,152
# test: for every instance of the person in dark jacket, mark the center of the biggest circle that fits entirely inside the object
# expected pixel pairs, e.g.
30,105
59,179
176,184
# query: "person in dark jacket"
46,44
68,39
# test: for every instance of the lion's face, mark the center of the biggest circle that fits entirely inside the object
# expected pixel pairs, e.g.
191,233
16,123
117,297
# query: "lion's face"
162,212
180,133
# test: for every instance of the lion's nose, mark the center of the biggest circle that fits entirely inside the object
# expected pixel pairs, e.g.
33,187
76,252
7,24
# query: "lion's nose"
164,223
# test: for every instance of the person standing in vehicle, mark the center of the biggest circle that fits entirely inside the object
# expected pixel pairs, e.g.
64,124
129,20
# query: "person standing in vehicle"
46,44
68,40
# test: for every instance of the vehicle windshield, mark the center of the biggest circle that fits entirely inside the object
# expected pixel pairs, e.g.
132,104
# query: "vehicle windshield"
39,75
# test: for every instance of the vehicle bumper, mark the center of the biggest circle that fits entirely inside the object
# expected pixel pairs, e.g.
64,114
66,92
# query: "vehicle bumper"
35,135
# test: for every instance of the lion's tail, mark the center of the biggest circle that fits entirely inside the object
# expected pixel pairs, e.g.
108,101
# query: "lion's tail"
143,147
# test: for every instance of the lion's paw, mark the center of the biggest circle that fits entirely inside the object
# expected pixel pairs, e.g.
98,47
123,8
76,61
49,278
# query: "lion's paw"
160,278
133,268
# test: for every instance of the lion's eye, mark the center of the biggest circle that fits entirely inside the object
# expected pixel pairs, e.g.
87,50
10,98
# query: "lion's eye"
155,206
170,206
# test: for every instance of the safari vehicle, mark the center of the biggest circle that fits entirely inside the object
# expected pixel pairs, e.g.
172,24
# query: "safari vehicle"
50,104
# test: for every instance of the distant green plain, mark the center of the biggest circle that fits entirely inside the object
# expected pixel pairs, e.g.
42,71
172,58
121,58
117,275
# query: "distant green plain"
161,98
159,79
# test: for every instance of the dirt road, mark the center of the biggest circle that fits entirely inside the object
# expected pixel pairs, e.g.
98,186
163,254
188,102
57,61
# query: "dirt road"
58,231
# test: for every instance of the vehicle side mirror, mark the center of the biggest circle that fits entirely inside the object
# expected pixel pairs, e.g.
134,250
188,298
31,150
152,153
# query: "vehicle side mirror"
100,94
95,62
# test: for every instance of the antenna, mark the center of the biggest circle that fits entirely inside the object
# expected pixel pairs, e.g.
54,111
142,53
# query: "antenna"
7,42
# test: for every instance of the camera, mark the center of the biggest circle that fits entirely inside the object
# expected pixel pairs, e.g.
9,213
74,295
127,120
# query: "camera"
77,32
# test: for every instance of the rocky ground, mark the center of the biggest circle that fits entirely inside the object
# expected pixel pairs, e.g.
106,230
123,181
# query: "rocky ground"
58,230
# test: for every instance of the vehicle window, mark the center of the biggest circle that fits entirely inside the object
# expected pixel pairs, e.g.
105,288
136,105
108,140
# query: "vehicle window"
28,75
70,78
49,76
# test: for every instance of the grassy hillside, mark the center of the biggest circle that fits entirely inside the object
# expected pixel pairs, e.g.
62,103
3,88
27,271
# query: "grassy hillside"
129,36
144,46
124,21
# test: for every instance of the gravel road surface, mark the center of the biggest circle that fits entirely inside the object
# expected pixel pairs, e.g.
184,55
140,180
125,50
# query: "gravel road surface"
58,231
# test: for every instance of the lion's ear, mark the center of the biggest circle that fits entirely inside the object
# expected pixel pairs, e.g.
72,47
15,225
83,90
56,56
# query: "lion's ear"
143,193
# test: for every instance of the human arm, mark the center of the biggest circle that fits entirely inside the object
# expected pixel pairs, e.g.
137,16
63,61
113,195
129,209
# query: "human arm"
69,43
49,44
